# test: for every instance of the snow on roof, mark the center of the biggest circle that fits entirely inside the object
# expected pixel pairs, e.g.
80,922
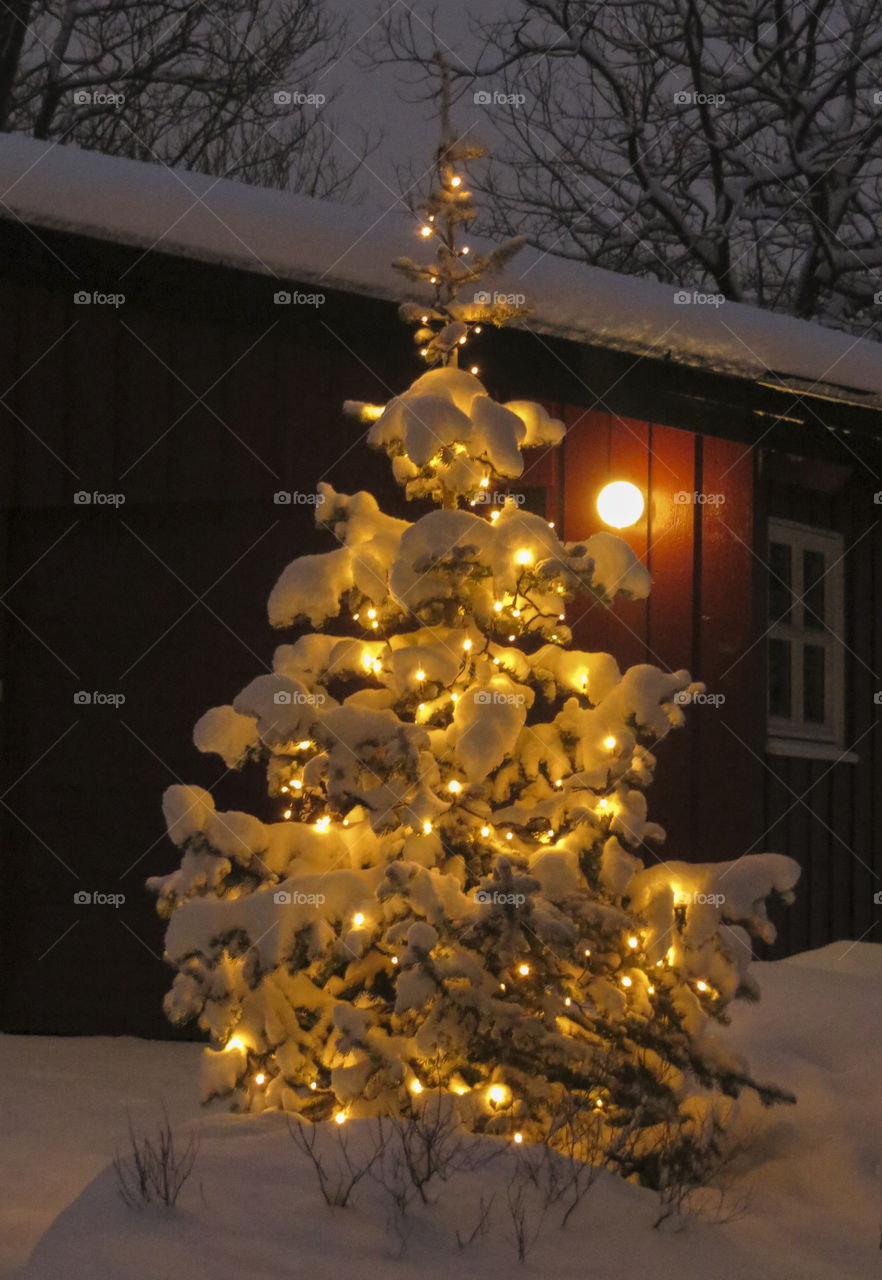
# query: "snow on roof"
296,238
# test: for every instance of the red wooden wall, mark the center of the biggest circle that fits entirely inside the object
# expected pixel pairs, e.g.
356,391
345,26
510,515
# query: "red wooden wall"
701,614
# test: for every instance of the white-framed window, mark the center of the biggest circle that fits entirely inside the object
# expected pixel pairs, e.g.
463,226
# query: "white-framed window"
806,694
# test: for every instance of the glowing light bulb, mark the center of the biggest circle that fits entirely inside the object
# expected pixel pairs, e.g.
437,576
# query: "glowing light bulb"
512,637
523,970
433,279
515,613
633,943
620,504
467,644
477,328
559,782
475,370
421,675
485,831
454,786
322,824
702,986
599,1102
497,606
358,919
298,785
304,745
372,613
462,341
669,955
651,990
259,1078
609,743
425,232
236,1043
494,515
284,788
523,556
424,351
497,1094
485,483
465,249
427,828
518,1138
626,981
424,319
287,813
568,1002
509,835
603,804
340,1117
453,697
456,181
460,1089
376,666
587,951
313,1085
395,959
416,1087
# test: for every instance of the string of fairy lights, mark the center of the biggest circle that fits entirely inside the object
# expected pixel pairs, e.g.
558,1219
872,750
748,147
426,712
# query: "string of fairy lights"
431,701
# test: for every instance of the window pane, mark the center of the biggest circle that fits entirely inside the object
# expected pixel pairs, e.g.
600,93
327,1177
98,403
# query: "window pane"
813,683
813,588
780,582
779,678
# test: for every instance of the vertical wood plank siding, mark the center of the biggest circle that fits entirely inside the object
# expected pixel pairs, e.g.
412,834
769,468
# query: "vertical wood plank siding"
198,400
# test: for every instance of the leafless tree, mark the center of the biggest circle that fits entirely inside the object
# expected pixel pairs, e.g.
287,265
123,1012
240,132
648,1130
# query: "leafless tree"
220,88
728,145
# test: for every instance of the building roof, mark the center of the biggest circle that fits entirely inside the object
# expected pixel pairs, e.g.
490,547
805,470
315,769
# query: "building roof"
323,244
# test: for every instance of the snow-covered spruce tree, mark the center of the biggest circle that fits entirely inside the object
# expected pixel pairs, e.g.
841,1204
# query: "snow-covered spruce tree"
453,898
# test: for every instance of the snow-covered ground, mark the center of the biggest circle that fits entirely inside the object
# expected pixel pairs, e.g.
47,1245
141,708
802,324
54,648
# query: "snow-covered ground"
809,1187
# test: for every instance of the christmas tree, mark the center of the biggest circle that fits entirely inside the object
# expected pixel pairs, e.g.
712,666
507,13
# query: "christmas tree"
453,900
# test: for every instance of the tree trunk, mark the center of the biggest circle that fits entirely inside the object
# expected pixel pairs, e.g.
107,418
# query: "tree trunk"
14,18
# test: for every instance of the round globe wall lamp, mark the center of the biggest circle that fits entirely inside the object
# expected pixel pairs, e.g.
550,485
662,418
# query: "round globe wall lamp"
620,504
